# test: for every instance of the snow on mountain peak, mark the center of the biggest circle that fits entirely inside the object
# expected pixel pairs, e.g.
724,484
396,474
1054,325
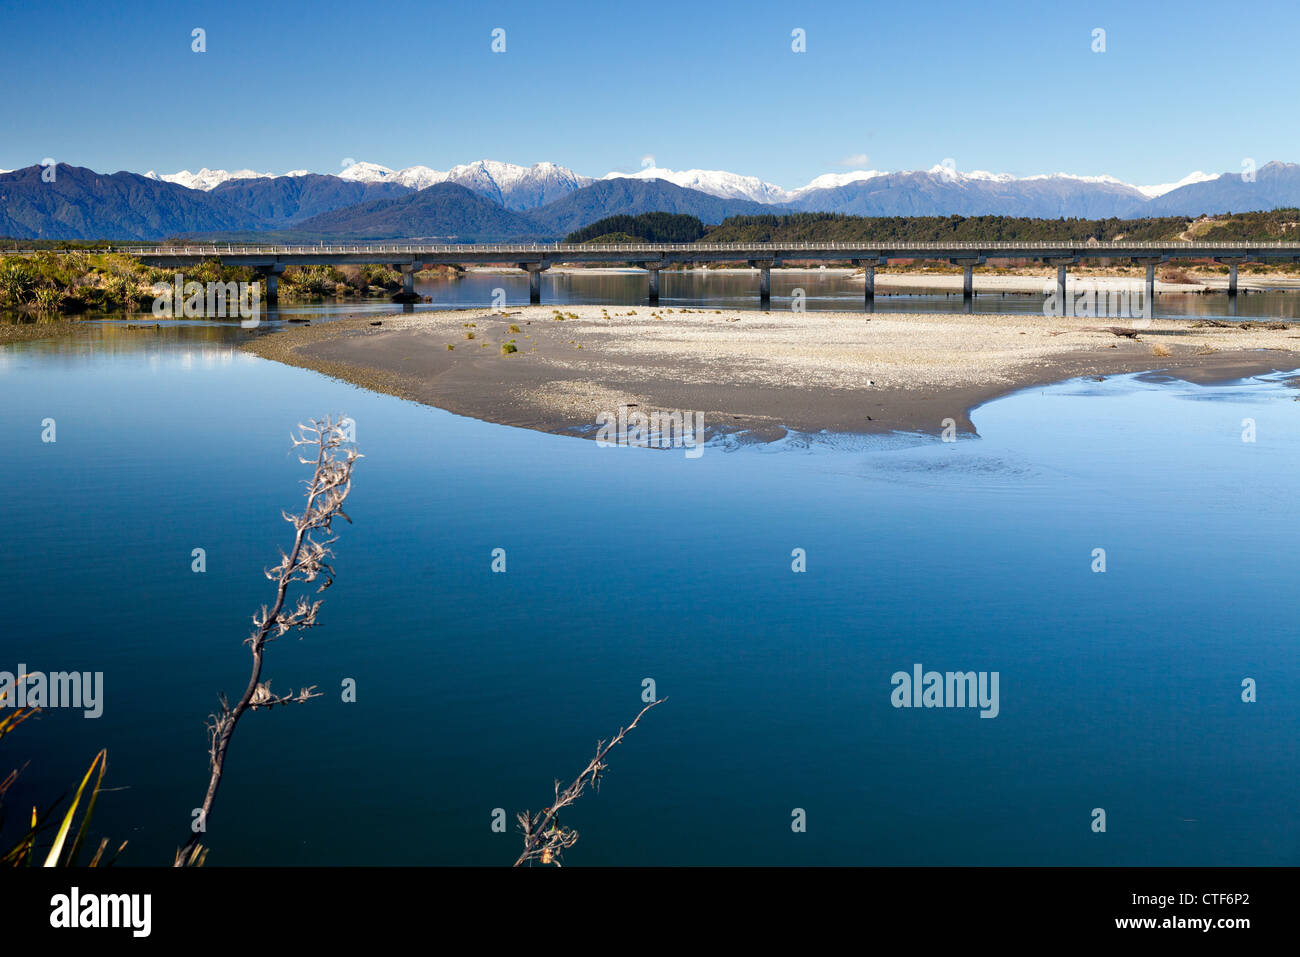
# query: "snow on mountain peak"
526,187
985,176
205,179
835,180
367,173
418,177
1151,192
516,187
714,182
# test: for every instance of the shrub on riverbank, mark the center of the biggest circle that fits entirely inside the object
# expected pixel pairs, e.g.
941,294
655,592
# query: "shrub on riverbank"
319,282
76,282
47,283
310,282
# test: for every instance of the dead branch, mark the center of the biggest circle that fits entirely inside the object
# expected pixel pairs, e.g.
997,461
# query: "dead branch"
544,837
1122,331
306,562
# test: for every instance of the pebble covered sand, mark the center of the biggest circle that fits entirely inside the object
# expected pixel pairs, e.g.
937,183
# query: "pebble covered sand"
754,370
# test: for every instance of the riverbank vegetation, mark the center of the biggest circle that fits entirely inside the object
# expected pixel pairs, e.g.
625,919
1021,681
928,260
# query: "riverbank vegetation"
320,282
341,282
48,284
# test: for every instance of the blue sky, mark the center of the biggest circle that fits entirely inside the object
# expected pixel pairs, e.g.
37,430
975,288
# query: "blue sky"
1007,87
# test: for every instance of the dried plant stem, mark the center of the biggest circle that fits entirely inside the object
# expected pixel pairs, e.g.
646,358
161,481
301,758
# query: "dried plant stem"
544,838
305,562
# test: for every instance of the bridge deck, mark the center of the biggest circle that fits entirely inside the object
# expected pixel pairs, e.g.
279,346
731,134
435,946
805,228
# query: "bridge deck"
670,253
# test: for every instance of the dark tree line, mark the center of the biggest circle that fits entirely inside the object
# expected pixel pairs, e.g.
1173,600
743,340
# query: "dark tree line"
837,227
646,228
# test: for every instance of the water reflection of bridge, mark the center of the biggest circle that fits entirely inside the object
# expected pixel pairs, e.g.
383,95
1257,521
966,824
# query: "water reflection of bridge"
270,261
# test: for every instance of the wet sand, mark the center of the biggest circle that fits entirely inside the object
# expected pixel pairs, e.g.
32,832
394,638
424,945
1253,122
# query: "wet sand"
761,373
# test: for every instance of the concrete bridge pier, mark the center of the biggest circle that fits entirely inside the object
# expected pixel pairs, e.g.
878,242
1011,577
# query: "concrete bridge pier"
1149,289
1232,263
869,272
764,267
535,271
1061,264
653,270
271,281
408,283
968,279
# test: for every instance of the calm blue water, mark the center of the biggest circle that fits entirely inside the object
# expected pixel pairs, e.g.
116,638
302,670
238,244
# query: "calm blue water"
475,690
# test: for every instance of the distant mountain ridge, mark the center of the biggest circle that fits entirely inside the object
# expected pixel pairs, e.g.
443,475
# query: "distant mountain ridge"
524,187
1273,186
443,212
284,200
82,204
450,212
548,201
631,197
939,192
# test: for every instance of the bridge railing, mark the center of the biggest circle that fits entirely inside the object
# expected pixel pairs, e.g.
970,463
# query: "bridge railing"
558,249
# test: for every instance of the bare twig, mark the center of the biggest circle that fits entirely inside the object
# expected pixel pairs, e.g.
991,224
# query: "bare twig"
306,562
1124,332
544,837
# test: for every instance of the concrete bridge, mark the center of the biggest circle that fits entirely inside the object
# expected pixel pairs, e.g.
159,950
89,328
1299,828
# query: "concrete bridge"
535,258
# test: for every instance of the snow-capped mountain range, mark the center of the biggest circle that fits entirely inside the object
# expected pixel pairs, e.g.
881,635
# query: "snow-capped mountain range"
1151,192
514,187
527,187
490,200
209,179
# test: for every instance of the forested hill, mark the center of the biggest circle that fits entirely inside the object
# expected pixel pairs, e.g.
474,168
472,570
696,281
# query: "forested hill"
1279,224
646,228
834,227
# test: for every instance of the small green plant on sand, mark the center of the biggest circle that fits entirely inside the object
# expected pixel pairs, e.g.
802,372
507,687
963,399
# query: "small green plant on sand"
508,347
